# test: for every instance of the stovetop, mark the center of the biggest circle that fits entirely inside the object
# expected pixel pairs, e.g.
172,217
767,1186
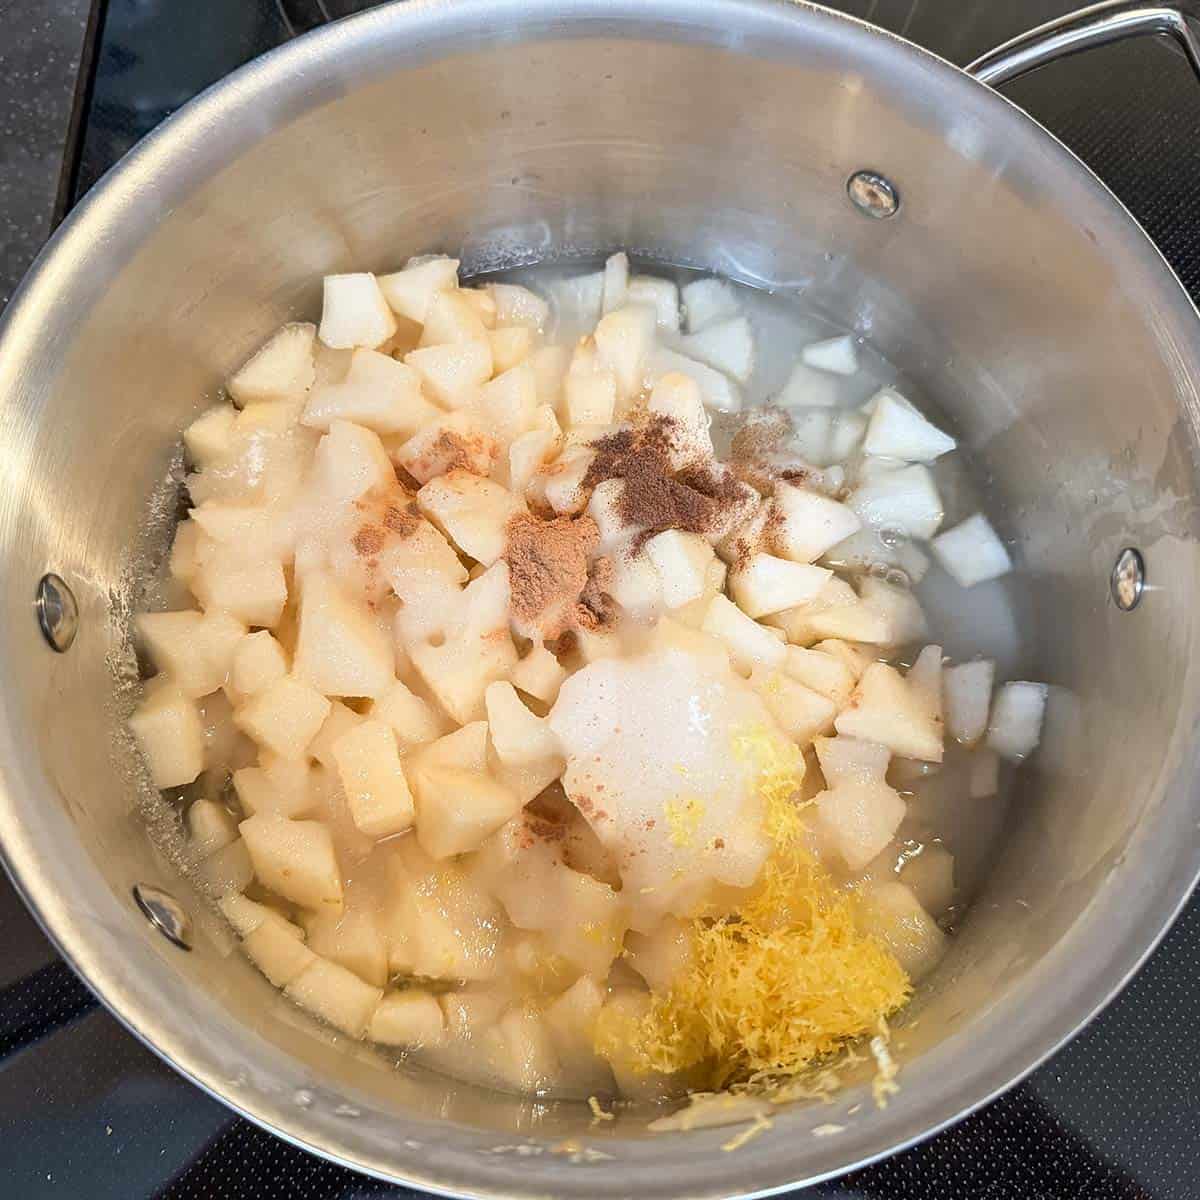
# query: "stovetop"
87,1111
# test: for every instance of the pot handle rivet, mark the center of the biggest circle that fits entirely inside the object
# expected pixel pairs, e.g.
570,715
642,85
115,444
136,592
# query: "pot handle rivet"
1128,579
872,194
57,612
165,913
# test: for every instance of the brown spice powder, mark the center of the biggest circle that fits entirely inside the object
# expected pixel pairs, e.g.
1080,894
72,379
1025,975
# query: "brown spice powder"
402,519
368,541
548,569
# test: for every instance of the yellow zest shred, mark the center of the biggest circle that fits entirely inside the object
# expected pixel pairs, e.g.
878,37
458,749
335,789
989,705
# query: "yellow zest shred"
781,983
683,814
759,1125
599,1113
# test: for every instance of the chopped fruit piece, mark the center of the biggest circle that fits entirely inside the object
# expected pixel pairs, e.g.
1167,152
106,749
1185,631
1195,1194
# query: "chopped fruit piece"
450,374
681,560
767,584
170,733
378,393
340,648
281,369
336,995
354,312
471,511
285,717
376,791
295,859
411,1018
837,355
968,694
898,430
458,440
971,553
1016,723
411,291
809,524
727,345
749,643
885,709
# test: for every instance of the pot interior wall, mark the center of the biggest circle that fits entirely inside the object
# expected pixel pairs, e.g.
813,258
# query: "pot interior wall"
1014,296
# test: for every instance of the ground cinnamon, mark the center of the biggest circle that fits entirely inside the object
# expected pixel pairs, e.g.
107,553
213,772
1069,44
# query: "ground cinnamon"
548,571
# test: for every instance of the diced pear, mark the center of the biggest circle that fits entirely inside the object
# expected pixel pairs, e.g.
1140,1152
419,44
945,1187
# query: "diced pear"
677,398
196,649
906,501
718,390
354,312
209,438
295,859
441,925
376,791
571,1021
563,480
931,877
624,339
457,440
971,552
340,720
511,346
528,455
457,810
855,622
807,391
412,720
1015,727
281,369
924,680
748,642
851,761
798,623
336,995
885,709
799,711
277,954
211,827
247,915
898,607
549,365
411,291
185,552
352,938
251,532
727,345
893,914
809,524
472,511
681,560
616,281
539,674
860,819
518,306
605,507
636,584
590,394
967,688
508,403
340,649
708,301
659,957
898,430
258,793
411,1018
227,870
821,672
837,355
855,658
661,294
457,673
349,462
451,373
253,593
453,317
520,737
377,393
258,661
285,717
767,584
169,731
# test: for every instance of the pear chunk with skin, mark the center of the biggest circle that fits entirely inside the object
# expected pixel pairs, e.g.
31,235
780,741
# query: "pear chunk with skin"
886,709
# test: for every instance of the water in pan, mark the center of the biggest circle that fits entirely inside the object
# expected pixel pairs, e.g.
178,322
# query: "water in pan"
941,814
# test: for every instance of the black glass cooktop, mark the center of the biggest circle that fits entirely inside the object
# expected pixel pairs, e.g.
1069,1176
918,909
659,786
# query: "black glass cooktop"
87,1112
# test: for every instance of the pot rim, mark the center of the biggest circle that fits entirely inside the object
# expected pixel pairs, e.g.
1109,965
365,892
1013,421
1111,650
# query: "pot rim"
301,75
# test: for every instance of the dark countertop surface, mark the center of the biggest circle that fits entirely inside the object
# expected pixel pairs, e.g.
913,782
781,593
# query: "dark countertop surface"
87,1111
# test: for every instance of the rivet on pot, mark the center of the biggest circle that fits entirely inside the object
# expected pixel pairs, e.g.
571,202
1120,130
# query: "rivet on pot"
1128,579
57,612
873,194
165,913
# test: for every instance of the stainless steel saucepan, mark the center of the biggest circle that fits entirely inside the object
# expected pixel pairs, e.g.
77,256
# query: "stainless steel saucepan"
733,135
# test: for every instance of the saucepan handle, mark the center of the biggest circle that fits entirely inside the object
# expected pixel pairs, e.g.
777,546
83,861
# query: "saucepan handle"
1096,25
